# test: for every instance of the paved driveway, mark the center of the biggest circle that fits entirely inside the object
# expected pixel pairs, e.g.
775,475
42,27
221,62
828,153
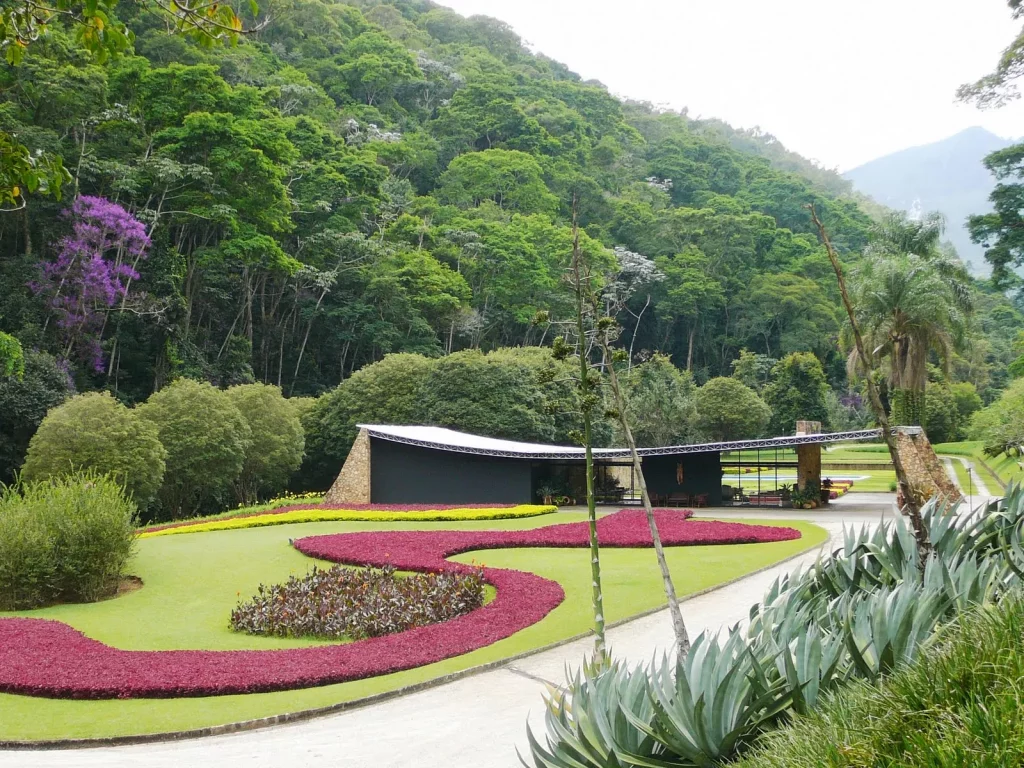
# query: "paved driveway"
476,722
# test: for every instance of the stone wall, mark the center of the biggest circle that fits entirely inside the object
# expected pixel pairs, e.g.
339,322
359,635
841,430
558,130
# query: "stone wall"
923,468
353,483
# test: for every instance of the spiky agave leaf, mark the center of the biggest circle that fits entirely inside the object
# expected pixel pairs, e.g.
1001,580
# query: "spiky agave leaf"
707,703
889,626
585,723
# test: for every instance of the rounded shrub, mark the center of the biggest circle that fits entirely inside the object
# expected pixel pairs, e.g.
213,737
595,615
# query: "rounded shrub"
277,441
206,439
96,432
64,540
386,392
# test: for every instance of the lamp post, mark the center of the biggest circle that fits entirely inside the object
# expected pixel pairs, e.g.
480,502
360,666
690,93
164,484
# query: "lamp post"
970,489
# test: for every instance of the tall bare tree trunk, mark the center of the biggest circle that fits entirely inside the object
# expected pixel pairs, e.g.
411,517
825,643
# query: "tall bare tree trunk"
911,507
678,625
587,398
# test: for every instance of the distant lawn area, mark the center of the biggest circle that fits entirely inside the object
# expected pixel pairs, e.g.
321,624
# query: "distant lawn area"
1005,468
192,582
873,480
861,453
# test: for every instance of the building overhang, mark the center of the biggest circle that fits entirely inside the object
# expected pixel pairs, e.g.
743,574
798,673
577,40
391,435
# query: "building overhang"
443,439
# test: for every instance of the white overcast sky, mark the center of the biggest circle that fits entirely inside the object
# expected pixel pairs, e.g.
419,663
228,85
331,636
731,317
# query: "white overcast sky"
840,81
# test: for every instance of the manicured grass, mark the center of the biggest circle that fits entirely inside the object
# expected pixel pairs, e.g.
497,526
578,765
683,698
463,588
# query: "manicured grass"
1006,468
861,453
192,582
872,480
962,478
958,705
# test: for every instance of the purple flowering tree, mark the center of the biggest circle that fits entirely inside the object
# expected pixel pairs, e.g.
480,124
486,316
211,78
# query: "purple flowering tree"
92,274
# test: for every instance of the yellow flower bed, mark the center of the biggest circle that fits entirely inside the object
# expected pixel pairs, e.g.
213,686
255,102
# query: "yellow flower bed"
329,515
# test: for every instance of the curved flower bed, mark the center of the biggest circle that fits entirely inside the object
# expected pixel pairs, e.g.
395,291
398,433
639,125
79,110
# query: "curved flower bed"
49,658
383,513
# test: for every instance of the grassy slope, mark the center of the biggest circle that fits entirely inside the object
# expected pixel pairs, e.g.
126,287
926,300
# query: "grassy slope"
192,582
959,705
1006,468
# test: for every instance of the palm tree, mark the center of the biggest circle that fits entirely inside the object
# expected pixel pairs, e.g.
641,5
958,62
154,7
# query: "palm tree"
899,234
908,311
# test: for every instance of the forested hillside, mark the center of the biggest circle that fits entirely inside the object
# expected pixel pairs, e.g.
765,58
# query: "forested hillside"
361,178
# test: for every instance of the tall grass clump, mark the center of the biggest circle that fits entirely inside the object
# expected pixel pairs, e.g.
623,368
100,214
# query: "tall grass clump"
958,704
64,540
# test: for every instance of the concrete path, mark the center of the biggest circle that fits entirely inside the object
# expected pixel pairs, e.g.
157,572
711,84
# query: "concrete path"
978,492
478,721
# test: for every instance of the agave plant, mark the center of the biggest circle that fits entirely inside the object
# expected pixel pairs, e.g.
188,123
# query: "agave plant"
586,723
969,580
869,607
953,533
807,658
889,626
894,549
785,595
707,704
850,568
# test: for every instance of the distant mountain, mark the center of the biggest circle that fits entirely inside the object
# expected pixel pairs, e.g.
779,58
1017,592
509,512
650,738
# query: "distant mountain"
946,176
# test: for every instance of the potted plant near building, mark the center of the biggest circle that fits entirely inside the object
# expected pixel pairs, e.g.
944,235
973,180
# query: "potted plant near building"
826,491
546,493
786,492
805,499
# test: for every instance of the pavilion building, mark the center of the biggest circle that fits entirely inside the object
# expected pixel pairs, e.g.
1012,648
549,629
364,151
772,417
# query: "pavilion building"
391,464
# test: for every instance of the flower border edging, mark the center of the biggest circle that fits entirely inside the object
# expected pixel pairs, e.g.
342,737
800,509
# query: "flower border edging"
343,706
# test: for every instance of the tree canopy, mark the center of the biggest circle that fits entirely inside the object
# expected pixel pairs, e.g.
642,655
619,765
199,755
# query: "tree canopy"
290,196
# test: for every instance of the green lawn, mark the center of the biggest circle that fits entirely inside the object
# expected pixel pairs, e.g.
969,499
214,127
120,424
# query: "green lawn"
1006,468
862,453
962,479
193,581
875,480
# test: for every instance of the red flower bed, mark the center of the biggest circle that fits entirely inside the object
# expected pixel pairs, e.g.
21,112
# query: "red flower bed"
48,658
353,507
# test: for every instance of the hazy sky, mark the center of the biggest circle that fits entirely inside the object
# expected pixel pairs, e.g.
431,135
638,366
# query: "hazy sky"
840,81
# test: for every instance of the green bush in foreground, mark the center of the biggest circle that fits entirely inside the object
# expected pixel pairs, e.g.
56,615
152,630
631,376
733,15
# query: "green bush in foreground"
96,432
957,705
63,540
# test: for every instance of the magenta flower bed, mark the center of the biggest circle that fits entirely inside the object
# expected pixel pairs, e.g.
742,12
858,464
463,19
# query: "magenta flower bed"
40,657
353,507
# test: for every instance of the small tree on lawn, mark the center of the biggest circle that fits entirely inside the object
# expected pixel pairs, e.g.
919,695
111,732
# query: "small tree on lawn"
605,308
595,329
581,334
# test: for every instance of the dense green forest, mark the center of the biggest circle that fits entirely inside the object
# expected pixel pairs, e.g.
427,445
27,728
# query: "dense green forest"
356,179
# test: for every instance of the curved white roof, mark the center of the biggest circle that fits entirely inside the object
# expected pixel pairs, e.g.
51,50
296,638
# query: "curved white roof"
441,438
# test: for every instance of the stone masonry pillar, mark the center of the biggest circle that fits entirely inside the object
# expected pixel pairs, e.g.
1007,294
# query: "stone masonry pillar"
808,466
808,457
353,483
